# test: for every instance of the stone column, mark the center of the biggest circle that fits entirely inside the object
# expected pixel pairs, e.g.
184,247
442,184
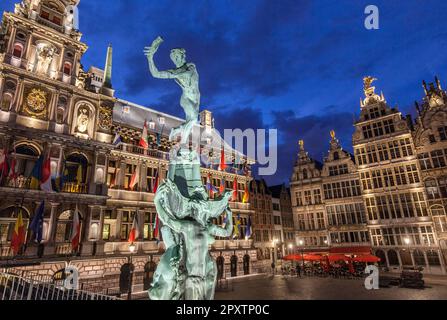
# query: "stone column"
2,83
12,38
119,216
143,173
28,46
91,175
121,175
18,95
53,106
53,224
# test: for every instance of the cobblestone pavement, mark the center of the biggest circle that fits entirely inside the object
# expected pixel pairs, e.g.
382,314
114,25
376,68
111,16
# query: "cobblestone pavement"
288,288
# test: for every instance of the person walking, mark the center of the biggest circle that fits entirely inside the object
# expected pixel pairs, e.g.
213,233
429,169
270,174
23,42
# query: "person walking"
273,268
298,270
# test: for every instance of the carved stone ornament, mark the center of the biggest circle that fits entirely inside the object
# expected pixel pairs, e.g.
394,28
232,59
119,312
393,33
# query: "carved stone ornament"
36,103
105,118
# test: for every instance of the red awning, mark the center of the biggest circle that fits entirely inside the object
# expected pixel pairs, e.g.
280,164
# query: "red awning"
338,257
305,257
351,250
366,258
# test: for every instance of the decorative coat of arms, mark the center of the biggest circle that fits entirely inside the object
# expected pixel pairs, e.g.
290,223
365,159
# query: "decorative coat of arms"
36,103
105,118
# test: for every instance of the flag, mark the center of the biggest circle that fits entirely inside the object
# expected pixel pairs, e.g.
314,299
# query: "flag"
237,226
4,164
222,186
235,191
223,164
117,140
249,230
209,186
246,196
36,225
60,181
18,237
13,170
157,229
135,231
156,182
134,180
75,230
36,174
79,175
144,141
115,176
45,182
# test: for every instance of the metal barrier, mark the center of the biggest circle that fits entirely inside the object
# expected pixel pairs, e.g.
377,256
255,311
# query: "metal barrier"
15,287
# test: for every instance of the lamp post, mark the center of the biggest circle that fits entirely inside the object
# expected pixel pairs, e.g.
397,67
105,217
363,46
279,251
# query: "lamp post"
131,250
407,242
291,252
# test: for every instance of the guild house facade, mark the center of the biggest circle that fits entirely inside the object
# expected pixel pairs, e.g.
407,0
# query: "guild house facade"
389,198
51,108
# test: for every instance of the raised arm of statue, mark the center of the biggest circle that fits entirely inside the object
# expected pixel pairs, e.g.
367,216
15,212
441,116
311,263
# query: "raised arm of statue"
150,52
218,231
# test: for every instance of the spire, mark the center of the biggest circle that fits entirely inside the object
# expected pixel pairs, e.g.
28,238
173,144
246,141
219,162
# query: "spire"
108,68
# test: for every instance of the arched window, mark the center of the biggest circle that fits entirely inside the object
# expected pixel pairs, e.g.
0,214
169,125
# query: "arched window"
60,115
442,181
75,172
392,258
18,50
26,157
381,254
67,68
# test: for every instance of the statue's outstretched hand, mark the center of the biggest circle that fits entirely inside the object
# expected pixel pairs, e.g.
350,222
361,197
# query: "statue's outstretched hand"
150,51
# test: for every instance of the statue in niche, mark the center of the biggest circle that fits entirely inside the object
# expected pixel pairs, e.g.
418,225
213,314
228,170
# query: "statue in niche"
82,120
45,55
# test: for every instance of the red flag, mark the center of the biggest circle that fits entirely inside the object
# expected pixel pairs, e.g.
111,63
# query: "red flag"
4,163
144,143
222,186
18,237
246,197
134,180
223,164
75,230
135,231
235,190
157,228
45,182
156,183
12,170
115,176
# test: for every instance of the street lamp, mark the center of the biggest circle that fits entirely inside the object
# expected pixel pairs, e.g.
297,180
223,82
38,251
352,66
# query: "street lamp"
132,248
275,241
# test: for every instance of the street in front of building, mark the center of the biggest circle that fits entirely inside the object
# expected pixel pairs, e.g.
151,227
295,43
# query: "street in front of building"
280,287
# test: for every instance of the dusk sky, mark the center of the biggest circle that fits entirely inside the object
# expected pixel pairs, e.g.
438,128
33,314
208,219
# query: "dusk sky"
296,66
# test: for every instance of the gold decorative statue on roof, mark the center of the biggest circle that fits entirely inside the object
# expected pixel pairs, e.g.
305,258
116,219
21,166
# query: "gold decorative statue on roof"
333,134
301,143
367,86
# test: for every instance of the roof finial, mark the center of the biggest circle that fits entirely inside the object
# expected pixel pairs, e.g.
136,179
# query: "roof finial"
301,143
333,134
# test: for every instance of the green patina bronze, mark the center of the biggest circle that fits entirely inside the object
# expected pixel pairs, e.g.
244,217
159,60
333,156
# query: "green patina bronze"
186,270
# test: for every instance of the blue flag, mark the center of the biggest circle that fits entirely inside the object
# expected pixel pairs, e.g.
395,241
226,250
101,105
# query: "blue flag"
37,224
248,231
